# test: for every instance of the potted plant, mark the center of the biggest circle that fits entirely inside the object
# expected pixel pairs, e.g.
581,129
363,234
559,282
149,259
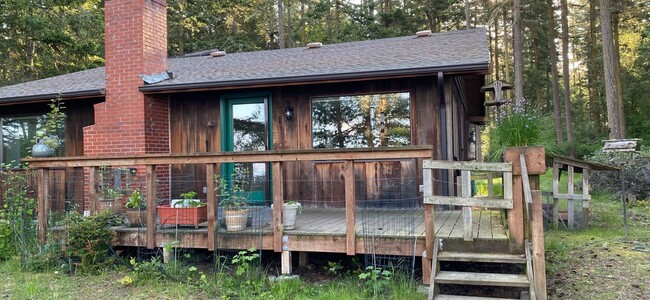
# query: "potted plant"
136,209
233,201
185,211
47,140
289,211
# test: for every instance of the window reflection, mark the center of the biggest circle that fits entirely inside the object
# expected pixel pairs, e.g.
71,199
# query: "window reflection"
379,120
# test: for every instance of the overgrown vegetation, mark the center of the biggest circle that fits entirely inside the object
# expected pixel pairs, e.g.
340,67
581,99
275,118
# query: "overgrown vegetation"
599,262
634,177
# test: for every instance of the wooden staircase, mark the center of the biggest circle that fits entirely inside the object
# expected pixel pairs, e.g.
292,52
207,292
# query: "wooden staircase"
479,279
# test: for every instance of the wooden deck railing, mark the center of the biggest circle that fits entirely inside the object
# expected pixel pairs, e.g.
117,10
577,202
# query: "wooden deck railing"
212,161
465,198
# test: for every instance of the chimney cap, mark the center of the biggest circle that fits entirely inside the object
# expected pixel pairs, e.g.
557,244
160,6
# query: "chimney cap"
218,53
314,45
423,33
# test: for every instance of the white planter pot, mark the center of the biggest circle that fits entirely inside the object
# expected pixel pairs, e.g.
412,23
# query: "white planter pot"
289,212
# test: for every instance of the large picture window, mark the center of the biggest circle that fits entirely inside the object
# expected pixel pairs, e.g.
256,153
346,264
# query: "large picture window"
17,135
378,120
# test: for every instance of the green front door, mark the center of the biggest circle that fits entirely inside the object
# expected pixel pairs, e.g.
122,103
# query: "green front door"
247,127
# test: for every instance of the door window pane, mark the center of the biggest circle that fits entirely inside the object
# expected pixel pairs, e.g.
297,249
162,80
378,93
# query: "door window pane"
379,120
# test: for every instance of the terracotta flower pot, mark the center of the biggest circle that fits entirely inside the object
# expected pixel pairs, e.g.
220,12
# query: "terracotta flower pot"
191,216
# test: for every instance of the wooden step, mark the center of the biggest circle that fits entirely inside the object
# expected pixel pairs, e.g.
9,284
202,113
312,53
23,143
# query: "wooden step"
454,297
491,279
482,257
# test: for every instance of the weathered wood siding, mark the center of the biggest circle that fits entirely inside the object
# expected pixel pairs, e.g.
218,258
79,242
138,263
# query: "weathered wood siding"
194,127
318,183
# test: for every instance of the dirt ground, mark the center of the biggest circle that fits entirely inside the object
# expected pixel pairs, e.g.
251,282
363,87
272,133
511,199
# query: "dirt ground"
603,267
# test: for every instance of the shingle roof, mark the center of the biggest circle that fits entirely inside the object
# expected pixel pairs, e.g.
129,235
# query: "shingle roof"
464,50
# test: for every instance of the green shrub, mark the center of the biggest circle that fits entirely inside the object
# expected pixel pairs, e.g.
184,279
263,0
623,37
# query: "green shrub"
7,246
90,241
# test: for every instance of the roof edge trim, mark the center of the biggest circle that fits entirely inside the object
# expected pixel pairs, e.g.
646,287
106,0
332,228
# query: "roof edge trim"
48,97
314,79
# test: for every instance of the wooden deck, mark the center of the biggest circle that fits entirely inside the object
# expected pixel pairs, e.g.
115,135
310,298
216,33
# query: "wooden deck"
324,229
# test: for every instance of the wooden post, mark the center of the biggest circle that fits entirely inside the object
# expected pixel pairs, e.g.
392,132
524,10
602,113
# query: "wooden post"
570,200
516,216
556,191
535,165
278,201
466,191
429,224
286,262
539,263
92,189
585,197
210,170
151,205
43,203
303,258
433,287
350,220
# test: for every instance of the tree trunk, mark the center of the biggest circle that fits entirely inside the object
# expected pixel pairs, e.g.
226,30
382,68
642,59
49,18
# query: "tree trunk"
617,70
557,115
506,53
613,118
280,24
517,44
467,17
289,41
566,75
592,72
496,48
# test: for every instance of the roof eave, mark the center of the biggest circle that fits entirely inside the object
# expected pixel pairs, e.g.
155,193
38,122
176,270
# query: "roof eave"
479,68
48,97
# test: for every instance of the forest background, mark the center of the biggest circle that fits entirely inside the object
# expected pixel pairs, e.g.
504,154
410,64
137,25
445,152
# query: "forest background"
561,45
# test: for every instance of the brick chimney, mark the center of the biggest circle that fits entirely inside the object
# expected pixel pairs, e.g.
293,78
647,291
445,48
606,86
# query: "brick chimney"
129,122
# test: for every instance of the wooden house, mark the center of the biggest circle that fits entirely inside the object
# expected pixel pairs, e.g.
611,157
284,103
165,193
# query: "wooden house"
340,128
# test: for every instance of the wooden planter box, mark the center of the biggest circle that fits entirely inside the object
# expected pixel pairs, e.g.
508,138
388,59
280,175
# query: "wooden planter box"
190,216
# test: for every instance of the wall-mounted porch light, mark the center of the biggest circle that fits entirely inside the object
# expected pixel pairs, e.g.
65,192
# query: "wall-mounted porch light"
288,111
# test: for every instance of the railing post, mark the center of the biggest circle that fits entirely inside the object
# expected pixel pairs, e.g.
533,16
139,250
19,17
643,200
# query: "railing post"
210,170
429,224
43,203
151,204
535,164
350,218
278,201
92,189
466,191
539,263
570,201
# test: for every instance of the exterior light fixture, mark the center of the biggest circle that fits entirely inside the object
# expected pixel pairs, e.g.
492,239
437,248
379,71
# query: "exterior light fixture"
288,111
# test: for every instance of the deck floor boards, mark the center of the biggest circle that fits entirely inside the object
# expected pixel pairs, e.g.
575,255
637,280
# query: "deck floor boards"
402,223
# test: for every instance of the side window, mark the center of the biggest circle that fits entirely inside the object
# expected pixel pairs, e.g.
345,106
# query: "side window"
18,134
361,121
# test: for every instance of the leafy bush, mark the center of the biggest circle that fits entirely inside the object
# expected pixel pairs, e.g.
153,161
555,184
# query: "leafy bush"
635,173
376,280
90,241
7,246
17,214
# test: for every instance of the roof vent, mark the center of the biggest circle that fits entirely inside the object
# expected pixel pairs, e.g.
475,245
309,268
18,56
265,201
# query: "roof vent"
423,33
218,53
314,45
